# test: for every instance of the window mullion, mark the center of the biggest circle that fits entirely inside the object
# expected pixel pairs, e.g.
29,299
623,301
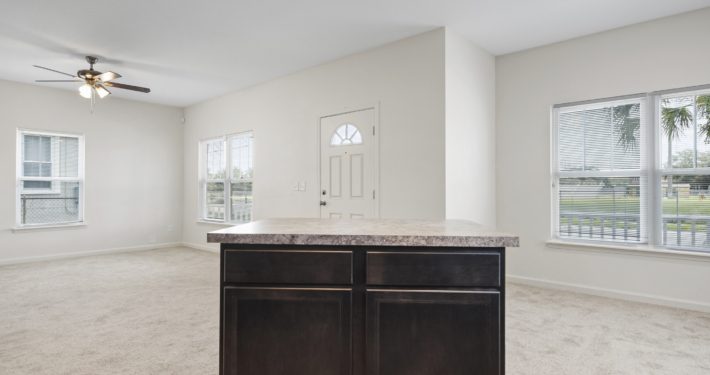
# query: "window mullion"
651,157
695,132
227,181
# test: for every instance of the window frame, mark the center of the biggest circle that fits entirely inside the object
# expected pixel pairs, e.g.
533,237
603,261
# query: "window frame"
652,168
54,180
204,181
643,171
662,171
228,179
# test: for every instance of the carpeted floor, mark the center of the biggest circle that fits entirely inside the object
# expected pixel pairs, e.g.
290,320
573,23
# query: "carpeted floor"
156,312
553,332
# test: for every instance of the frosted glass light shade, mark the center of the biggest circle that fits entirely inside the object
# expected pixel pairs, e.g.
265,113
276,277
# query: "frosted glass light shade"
85,91
102,92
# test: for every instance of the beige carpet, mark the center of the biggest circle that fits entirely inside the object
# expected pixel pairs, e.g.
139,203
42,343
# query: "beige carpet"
156,312
142,313
553,332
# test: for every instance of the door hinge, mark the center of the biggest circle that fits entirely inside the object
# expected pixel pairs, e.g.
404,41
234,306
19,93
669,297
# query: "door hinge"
373,194
373,130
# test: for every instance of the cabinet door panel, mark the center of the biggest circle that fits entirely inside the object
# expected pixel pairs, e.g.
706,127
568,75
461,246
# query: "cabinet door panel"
288,267
433,269
433,332
287,331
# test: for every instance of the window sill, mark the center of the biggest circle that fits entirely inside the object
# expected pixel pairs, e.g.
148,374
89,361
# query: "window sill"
220,223
23,228
642,250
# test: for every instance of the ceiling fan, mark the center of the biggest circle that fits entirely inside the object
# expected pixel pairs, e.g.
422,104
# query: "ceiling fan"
94,82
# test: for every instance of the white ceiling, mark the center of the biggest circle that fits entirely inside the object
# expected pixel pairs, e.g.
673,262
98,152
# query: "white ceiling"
189,51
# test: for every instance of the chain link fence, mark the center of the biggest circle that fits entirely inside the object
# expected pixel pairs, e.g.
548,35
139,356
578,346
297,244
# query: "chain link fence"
55,206
47,210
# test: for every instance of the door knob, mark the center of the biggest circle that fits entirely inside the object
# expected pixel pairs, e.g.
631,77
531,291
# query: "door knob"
323,203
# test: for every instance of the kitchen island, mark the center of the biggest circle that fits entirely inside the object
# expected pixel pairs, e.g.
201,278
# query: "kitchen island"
375,297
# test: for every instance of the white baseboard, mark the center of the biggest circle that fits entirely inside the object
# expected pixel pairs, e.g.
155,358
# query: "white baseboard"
78,254
202,247
611,293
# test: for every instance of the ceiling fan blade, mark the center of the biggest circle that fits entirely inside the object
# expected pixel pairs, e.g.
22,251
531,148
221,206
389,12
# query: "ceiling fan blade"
127,87
58,80
108,76
52,70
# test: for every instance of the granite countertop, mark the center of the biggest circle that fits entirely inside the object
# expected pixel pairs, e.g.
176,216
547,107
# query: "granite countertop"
364,232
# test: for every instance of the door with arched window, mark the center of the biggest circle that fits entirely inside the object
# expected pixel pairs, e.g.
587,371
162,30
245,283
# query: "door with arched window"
348,165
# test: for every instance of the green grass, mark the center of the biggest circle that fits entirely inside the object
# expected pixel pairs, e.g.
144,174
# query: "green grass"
686,206
630,205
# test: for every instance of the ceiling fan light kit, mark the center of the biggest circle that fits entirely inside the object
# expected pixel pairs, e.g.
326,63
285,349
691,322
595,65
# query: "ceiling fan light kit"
85,91
94,82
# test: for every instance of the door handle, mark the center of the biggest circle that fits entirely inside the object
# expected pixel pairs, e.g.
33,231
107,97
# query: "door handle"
323,203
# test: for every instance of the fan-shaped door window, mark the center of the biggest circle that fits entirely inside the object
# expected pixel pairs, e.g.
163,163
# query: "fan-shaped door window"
346,134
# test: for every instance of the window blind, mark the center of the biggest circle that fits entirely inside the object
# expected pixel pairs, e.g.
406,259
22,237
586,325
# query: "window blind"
599,180
226,173
634,169
50,179
684,129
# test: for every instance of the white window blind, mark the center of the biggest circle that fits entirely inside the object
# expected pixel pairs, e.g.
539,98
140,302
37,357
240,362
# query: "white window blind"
226,172
50,176
599,177
634,170
241,173
684,129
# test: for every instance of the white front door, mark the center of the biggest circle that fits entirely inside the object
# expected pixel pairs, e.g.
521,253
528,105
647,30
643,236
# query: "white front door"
348,165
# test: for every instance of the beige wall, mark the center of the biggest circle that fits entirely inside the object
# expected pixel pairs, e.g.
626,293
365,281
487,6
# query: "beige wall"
662,54
406,80
470,131
133,171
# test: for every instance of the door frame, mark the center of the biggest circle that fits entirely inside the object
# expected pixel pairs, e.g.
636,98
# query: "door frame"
375,149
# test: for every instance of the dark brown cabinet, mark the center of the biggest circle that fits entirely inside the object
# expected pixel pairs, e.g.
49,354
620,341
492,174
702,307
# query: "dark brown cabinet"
278,331
356,310
461,269
432,332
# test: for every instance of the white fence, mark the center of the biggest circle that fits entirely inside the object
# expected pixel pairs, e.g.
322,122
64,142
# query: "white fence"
678,230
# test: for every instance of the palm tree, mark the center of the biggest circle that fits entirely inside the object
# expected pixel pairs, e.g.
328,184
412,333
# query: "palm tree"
674,121
627,121
702,104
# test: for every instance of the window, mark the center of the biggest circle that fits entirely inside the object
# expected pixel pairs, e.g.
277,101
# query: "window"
599,178
634,171
685,172
346,134
50,174
226,172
